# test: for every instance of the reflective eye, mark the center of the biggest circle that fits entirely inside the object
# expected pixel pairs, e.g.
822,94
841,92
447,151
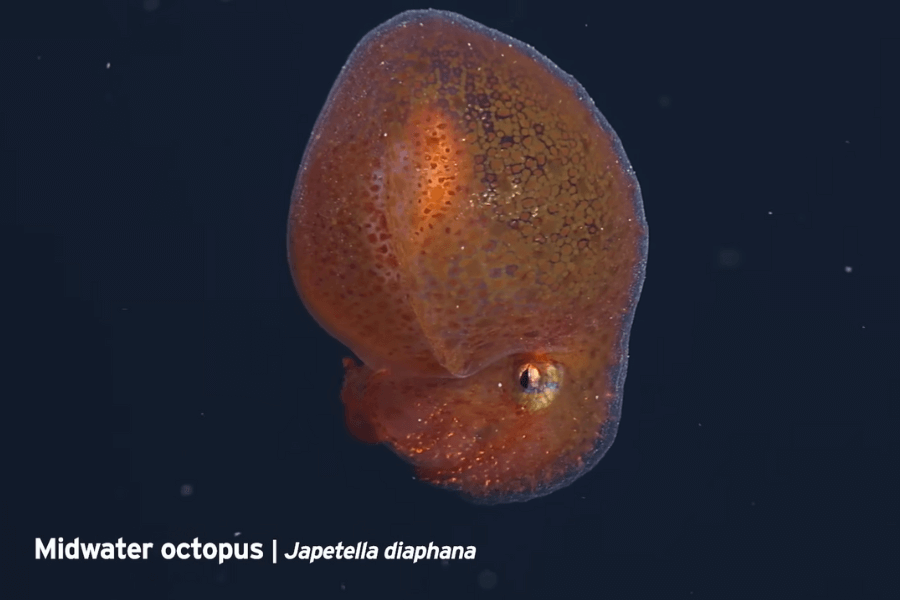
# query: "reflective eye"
539,384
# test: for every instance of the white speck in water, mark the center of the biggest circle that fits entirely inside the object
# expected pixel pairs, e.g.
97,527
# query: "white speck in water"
848,269
237,534
187,490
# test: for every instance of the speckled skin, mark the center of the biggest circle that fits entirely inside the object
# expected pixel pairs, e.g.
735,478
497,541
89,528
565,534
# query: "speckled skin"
462,209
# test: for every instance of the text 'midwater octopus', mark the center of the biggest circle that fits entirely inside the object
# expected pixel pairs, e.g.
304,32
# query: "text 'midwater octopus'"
467,223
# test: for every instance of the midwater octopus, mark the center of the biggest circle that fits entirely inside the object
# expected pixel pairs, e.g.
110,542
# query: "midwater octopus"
466,221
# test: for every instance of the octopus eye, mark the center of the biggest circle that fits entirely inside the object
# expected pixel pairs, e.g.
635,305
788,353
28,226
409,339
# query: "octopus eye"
539,385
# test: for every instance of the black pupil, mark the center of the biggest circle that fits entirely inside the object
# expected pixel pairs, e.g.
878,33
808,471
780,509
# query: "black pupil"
524,379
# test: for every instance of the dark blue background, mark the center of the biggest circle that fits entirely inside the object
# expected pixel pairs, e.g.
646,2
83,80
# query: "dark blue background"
157,339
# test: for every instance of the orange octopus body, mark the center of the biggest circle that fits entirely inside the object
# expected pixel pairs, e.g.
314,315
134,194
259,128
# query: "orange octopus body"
467,223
